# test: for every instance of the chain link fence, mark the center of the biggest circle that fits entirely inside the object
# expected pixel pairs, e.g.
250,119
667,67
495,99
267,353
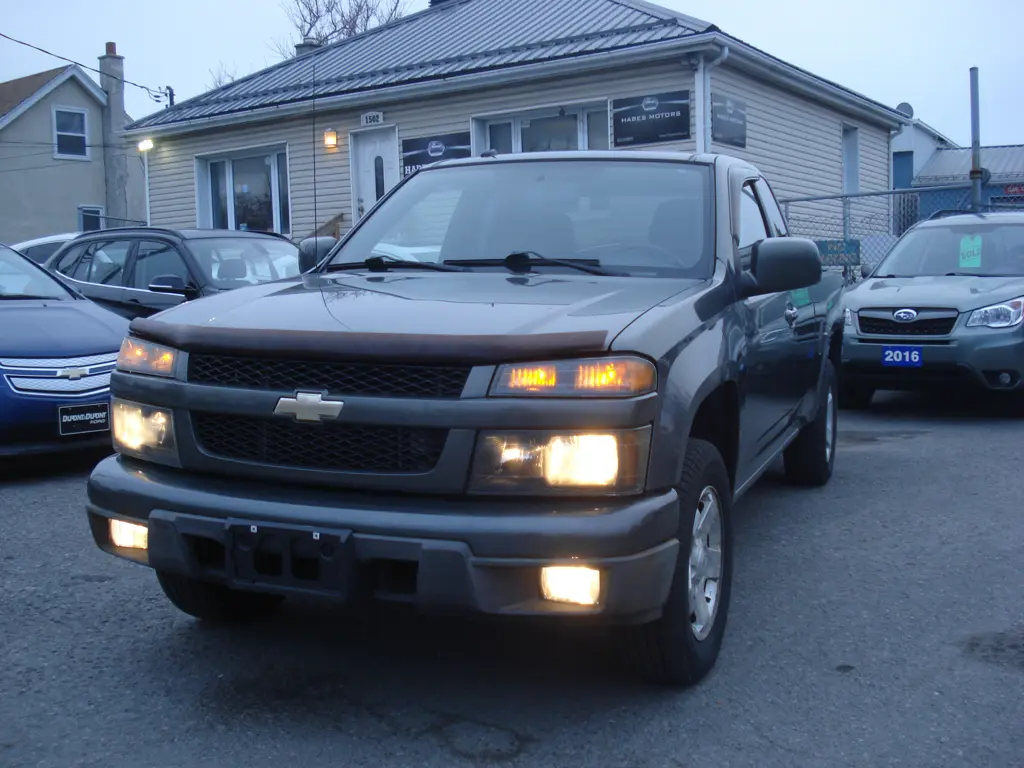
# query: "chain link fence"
852,230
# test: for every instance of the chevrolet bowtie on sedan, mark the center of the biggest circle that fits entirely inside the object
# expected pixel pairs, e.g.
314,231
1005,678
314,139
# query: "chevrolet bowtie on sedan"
550,416
57,350
943,309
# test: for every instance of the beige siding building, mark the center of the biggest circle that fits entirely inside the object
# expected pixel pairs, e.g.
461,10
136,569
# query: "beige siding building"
259,153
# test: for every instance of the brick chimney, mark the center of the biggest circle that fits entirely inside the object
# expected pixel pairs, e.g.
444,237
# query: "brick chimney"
308,44
115,163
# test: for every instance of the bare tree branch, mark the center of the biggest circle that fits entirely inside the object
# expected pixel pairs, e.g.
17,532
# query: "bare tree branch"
327,21
220,76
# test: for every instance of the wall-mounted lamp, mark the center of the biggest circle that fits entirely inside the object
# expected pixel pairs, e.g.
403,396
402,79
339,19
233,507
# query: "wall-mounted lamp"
330,138
145,145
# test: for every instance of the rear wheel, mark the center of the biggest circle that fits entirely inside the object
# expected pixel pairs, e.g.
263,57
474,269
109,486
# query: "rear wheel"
681,647
214,602
811,458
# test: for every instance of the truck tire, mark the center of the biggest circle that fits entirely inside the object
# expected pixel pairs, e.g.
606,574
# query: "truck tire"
213,602
811,458
679,648
855,398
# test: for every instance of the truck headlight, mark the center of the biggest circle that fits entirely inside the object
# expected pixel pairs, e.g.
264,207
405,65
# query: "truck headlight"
1004,315
138,356
603,461
596,377
144,431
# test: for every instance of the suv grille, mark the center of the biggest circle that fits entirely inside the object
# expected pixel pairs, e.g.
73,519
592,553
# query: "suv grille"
931,326
338,378
330,447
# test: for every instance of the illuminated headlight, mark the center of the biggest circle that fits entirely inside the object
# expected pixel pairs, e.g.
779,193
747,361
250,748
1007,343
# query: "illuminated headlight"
847,317
605,462
598,377
1005,315
144,432
138,356
570,584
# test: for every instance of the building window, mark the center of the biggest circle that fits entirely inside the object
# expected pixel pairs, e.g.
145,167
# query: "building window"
248,191
851,160
90,218
70,133
548,130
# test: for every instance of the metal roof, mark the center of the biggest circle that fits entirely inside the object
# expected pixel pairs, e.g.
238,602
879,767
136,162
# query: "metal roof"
949,166
452,38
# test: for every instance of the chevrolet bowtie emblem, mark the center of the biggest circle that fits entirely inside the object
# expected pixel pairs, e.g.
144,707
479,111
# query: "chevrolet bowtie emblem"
72,373
308,406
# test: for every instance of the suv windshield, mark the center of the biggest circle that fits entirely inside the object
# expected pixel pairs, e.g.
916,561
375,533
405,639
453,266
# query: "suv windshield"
638,217
232,262
21,279
987,250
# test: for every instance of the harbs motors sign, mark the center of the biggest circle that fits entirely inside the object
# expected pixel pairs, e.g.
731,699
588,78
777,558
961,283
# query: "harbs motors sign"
419,152
649,119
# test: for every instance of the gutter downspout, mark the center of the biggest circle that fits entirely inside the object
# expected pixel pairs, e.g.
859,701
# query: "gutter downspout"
145,171
704,120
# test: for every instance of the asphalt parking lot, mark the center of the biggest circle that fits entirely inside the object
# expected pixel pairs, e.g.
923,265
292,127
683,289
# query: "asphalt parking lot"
878,621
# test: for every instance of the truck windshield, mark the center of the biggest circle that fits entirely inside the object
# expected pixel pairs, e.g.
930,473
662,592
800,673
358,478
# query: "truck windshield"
636,217
985,250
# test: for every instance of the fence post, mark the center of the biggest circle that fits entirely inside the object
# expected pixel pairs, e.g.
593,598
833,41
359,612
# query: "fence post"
846,218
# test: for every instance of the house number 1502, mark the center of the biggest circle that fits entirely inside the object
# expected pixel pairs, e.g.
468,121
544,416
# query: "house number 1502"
372,118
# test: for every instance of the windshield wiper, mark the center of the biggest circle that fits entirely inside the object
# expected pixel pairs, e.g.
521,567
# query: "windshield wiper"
522,261
29,296
379,264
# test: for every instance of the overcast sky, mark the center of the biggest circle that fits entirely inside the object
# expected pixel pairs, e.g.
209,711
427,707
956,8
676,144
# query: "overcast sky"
890,50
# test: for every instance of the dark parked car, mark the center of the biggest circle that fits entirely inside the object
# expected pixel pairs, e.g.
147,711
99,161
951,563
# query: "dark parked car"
550,417
57,350
138,271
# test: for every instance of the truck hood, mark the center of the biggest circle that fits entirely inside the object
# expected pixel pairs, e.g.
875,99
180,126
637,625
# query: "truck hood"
473,316
952,292
59,329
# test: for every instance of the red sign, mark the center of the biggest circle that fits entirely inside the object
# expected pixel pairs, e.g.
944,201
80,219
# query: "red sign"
1013,189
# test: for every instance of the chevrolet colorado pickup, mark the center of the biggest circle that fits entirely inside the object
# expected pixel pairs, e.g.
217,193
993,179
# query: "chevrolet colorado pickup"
552,416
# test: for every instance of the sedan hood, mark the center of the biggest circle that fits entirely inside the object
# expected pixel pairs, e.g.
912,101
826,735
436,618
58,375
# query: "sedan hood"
481,316
962,293
59,329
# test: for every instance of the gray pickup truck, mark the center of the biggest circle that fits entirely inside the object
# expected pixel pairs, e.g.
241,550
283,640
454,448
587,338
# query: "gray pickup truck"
549,414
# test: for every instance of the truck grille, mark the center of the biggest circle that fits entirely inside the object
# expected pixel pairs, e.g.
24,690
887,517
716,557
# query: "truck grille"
337,378
329,447
929,326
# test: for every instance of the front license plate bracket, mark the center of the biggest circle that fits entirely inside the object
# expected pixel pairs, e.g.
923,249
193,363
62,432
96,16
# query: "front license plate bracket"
83,419
902,356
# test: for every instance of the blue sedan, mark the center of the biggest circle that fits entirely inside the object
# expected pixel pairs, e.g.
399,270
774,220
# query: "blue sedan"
57,350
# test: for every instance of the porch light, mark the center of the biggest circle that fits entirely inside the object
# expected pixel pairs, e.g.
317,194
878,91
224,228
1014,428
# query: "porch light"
145,145
330,138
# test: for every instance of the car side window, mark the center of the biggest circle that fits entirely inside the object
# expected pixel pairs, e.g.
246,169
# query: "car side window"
103,262
43,251
776,221
752,223
157,258
66,263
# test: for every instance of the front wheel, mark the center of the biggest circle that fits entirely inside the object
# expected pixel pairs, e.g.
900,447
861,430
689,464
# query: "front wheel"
681,647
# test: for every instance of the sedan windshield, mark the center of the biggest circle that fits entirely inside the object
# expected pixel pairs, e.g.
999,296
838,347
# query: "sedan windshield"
985,250
233,262
636,217
21,279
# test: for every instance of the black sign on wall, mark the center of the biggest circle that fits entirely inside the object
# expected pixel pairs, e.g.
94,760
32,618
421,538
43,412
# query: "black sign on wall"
419,152
651,118
728,120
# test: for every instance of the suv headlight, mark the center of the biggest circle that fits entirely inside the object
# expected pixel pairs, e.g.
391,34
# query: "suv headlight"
144,432
612,462
138,356
1004,315
596,377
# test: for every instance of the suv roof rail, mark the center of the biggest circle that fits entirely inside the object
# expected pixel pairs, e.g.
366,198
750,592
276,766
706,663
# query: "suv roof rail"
166,230
952,212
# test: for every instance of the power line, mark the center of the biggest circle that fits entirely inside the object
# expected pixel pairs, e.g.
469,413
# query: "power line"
155,94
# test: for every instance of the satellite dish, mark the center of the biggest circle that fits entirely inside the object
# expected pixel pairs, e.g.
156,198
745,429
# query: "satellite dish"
905,108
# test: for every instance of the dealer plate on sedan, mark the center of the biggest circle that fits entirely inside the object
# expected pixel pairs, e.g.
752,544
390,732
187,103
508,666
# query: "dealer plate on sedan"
902,357
81,419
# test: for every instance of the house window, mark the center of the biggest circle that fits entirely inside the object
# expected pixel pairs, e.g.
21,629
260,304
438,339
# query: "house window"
70,133
90,218
851,160
246,191
548,130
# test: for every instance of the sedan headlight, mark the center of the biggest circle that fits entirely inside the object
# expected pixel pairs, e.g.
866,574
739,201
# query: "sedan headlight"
144,432
606,462
597,377
847,317
138,356
1004,315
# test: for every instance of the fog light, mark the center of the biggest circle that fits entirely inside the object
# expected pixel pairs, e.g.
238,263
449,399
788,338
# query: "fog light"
129,535
1005,379
570,584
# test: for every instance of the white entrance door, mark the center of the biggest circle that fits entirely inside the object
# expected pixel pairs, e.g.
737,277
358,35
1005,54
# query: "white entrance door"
375,167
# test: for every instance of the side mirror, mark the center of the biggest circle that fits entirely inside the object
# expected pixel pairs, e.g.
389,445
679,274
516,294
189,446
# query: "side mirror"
865,271
169,284
784,264
312,250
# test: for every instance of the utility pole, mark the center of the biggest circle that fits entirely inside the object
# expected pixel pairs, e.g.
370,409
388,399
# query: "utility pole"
976,170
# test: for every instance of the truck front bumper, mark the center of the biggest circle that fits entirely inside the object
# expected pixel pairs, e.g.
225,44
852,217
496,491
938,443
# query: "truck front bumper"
463,555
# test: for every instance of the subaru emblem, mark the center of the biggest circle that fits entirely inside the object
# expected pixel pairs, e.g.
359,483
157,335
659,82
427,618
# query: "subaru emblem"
904,315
